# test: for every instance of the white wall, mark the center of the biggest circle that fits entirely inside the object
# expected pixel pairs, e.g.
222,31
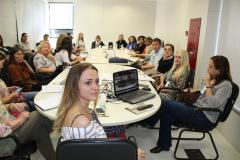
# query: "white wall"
173,19
229,37
109,18
30,19
7,23
229,45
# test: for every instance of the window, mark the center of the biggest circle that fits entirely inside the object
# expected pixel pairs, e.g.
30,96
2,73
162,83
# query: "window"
60,18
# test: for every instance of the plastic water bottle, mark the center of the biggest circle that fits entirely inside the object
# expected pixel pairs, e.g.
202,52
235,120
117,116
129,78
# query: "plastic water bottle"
103,99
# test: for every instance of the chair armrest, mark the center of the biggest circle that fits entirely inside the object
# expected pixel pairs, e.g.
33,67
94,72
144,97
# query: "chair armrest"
201,109
170,88
156,75
15,139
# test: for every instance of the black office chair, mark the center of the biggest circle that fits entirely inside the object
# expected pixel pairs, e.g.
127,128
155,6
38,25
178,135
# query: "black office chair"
221,118
110,45
92,149
22,151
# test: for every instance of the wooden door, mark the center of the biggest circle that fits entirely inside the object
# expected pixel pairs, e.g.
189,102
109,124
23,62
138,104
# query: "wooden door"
193,40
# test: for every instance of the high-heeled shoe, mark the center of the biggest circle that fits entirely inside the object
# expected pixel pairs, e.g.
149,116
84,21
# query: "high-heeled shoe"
158,149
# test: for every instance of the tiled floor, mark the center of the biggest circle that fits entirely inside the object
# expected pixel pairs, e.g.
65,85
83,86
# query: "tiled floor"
147,138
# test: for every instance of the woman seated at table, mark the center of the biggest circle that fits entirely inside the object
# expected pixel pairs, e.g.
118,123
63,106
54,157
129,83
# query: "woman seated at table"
27,127
215,94
24,44
132,42
176,77
44,64
64,54
11,95
74,118
59,41
97,43
147,50
20,73
80,44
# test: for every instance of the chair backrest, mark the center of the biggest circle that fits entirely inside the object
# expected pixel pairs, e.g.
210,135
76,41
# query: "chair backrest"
190,80
230,103
29,58
92,149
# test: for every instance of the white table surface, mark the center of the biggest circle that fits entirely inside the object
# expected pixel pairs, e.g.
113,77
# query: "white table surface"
101,55
117,114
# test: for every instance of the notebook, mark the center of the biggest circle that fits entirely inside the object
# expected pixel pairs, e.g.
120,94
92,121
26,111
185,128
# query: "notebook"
126,87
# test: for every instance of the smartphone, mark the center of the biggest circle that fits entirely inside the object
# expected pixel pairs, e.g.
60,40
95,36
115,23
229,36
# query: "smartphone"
100,111
18,89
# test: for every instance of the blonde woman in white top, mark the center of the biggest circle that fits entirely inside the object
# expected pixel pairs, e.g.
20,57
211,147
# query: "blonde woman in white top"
74,119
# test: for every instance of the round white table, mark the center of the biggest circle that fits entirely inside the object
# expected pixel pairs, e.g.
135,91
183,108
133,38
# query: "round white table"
116,112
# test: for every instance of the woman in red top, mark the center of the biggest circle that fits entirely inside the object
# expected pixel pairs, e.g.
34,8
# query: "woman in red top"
20,72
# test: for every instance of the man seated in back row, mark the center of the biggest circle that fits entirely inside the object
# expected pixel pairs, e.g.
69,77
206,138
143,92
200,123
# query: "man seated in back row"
151,67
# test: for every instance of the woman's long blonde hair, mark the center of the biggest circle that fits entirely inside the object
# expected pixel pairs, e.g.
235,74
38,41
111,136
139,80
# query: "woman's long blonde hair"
71,92
183,67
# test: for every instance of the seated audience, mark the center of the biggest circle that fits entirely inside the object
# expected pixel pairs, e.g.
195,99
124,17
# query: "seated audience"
64,56
80,44
2,47
166,62
148,49
215,94
11,95
27,127
59,41
121,42
45,40
20,73
4,71
176,77
151,67
97,43
139,48
132,42
24,44
44,65
74,119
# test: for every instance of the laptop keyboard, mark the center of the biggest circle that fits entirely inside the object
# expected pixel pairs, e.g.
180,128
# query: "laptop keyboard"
136,96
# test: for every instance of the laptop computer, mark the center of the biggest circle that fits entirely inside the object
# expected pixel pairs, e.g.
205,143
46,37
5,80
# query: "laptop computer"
126,87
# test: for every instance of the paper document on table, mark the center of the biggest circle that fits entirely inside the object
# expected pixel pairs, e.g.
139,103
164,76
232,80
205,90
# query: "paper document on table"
52,88
48,102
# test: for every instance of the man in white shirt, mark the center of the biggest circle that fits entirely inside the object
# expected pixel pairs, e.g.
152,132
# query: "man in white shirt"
156,55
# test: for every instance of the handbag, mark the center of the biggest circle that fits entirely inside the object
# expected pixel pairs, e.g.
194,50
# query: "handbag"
188,98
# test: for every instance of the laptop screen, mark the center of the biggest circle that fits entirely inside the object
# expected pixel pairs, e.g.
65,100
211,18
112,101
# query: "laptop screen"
125,81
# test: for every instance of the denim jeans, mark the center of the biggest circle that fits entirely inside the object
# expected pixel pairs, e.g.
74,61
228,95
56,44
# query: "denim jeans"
172,112
29,96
